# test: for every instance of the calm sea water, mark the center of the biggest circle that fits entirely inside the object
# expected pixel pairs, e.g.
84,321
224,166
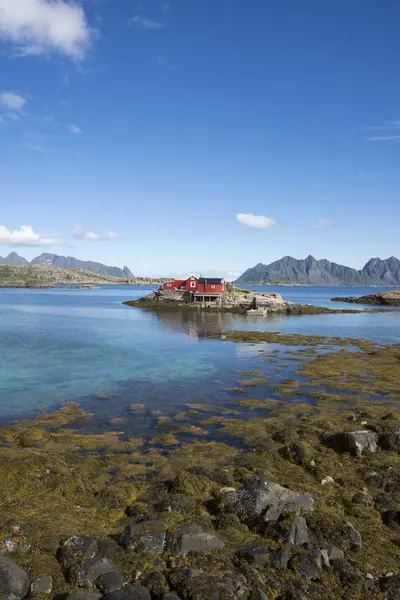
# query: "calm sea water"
84,345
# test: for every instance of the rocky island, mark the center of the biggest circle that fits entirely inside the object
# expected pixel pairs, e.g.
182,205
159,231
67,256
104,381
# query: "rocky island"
234,301
378,298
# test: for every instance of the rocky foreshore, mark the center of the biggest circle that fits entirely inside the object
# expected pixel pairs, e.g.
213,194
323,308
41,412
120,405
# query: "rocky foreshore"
378,298
240,301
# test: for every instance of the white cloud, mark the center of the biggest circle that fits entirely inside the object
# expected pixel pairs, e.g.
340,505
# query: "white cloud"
323,224
42,26
382,138
256,222
25,236
11,100
144,23
74,129
80,233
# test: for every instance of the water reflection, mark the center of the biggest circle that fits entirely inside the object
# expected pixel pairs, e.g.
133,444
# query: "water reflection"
199,324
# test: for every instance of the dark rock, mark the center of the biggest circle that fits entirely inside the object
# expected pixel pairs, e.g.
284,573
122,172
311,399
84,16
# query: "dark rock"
179,503
83,595
267,498
256,556
76,549
290,528
170,596
348,576
354,536
355,442
309,565
110,548
13,580
140,512
196,585
390,440
390,586
226,520
109,582
42,585
148,536
391,518
192,539
156,583
129,592
334,553
258,594
384,502
86,573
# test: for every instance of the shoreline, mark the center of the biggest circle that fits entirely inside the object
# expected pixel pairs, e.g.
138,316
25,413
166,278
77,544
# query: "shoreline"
166,510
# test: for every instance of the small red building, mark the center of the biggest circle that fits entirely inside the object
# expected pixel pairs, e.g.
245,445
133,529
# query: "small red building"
202,286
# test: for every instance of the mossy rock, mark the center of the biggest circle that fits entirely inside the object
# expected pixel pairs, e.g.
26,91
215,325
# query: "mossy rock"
193,485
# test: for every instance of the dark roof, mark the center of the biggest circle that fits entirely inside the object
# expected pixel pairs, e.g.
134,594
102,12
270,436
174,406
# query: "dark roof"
212,280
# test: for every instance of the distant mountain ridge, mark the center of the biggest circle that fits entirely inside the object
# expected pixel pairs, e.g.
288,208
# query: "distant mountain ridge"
323,272
66,262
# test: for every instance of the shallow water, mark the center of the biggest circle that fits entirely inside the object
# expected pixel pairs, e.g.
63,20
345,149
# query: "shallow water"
62,345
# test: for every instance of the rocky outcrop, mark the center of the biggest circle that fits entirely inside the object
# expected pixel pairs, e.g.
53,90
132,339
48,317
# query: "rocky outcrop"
378,299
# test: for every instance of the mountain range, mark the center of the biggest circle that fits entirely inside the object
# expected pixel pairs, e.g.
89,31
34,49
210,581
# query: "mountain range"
66,262
323,272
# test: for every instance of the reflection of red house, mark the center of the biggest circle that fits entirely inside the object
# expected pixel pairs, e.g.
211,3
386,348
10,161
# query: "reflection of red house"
210,286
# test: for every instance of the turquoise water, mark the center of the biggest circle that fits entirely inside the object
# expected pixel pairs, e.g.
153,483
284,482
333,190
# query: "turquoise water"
62,345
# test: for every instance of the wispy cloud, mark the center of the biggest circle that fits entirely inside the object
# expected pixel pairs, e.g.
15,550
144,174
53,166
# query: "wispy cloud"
26,236
74,129
382,138
80,233
11,100
392,129
142,22
323,224
35,27
33,147
256,221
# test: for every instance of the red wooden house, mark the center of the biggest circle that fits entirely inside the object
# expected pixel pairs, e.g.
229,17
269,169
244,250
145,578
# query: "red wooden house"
202,286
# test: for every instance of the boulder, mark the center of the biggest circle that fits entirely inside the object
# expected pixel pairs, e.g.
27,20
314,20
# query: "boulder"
13,579
391,518
263,497
354,536
156,583
192,539
42,585
109,582
309,565
83,595
258,556
355,442
129,592
148,536
85,574
390,440
390,586
77,549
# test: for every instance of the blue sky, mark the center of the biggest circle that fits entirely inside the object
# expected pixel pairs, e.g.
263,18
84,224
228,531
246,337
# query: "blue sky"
198,135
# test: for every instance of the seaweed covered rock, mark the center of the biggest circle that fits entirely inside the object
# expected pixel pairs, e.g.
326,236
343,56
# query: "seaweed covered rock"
390,440
256,556
197,585
263,497
180,503
194,485
390,587
148,536
42,585
354,442
76,550
13,579
192,539
129,592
